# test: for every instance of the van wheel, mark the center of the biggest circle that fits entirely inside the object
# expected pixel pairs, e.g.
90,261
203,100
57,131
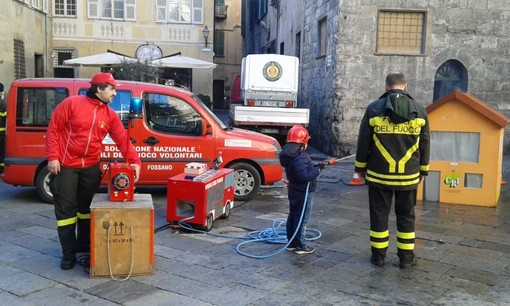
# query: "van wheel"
42,184
246,181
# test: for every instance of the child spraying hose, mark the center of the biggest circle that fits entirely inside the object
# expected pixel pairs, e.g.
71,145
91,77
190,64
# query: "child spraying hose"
301,174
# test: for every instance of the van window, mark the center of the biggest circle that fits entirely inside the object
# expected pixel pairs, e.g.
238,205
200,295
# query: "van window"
35,105
120,104
171,115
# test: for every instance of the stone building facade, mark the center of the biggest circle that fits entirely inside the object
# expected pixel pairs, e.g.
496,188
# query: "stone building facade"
227,49
25,39
348,46
83,28
38,35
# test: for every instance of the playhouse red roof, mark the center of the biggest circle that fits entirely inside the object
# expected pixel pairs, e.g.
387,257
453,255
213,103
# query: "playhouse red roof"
472,102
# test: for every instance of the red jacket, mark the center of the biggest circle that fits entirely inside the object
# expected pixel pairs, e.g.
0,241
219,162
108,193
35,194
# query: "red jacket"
76,131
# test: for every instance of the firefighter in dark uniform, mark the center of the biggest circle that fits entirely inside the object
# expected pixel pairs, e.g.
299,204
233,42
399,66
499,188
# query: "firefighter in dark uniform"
3,121
393,156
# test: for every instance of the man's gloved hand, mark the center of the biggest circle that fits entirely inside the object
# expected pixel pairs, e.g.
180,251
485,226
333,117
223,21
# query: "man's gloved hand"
322,166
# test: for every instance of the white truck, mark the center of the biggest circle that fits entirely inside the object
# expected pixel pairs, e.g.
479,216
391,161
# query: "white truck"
269,88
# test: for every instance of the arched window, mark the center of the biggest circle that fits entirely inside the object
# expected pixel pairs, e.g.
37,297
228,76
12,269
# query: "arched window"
450,75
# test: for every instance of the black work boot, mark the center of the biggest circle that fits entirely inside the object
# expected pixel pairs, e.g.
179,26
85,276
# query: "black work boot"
67,237
83,240
378,255
407,259
377,261
68,260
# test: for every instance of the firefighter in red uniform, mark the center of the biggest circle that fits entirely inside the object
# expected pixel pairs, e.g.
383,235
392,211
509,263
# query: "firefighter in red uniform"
73,147
393,156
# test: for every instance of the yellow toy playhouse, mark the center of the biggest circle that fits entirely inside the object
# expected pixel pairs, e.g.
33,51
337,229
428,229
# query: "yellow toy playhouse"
466,151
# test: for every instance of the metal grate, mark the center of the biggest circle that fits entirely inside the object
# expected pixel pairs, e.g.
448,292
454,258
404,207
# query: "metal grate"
60,55
400,32
19,59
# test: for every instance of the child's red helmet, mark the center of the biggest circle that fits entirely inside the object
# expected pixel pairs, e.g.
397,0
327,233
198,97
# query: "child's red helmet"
298,134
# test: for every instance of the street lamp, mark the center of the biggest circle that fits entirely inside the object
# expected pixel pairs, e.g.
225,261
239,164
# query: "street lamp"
206,35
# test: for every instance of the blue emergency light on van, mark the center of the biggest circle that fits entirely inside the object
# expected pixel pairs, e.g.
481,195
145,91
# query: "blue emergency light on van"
135,108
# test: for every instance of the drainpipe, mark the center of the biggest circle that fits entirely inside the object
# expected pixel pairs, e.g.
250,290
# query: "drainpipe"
46,68
278,25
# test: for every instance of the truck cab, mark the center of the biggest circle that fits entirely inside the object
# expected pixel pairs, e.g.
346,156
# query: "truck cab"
176,128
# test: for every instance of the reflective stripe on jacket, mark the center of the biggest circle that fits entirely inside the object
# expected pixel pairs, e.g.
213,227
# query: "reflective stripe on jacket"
3,115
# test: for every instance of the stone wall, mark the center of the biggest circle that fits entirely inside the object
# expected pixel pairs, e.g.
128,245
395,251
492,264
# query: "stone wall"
319,77
27,23
338,87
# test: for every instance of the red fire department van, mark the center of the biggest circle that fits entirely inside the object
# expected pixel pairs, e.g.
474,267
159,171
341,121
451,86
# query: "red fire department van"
176,129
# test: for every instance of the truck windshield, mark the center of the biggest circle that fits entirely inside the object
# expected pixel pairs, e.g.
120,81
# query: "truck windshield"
209,111
169,114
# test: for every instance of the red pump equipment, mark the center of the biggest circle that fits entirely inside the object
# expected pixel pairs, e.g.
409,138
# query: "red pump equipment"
201,199
121,182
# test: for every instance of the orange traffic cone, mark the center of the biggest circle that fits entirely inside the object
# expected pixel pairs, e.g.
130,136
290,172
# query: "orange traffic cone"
357,180
503,182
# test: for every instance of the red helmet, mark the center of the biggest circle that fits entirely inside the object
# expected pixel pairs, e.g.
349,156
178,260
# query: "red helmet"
298,134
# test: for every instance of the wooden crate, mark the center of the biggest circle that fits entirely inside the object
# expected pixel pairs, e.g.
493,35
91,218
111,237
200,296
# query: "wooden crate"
126,229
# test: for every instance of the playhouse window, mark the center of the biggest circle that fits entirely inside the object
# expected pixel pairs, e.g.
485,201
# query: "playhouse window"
473,180
461,147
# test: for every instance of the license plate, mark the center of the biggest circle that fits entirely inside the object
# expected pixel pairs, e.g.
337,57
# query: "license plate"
269,131
270,103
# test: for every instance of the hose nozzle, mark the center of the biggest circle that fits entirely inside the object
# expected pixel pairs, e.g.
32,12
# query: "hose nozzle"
331,161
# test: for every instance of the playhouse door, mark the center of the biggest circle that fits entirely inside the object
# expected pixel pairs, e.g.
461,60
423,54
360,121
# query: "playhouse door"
431,184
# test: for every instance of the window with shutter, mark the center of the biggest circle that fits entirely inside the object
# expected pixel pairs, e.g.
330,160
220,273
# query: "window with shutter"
198,9
93,9
65,8
130,10
185,11
111,9
219,44
161,10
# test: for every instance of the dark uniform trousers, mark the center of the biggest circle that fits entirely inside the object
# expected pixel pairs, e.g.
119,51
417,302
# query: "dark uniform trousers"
380,201
3,119
2,149
73,190
296,203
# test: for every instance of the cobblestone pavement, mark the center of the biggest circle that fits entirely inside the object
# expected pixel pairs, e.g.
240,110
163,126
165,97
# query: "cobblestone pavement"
463,256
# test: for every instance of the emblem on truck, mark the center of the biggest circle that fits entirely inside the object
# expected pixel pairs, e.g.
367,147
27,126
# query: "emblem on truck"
272,71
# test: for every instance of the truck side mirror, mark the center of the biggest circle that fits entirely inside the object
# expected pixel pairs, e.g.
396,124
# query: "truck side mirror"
206,128
135,108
